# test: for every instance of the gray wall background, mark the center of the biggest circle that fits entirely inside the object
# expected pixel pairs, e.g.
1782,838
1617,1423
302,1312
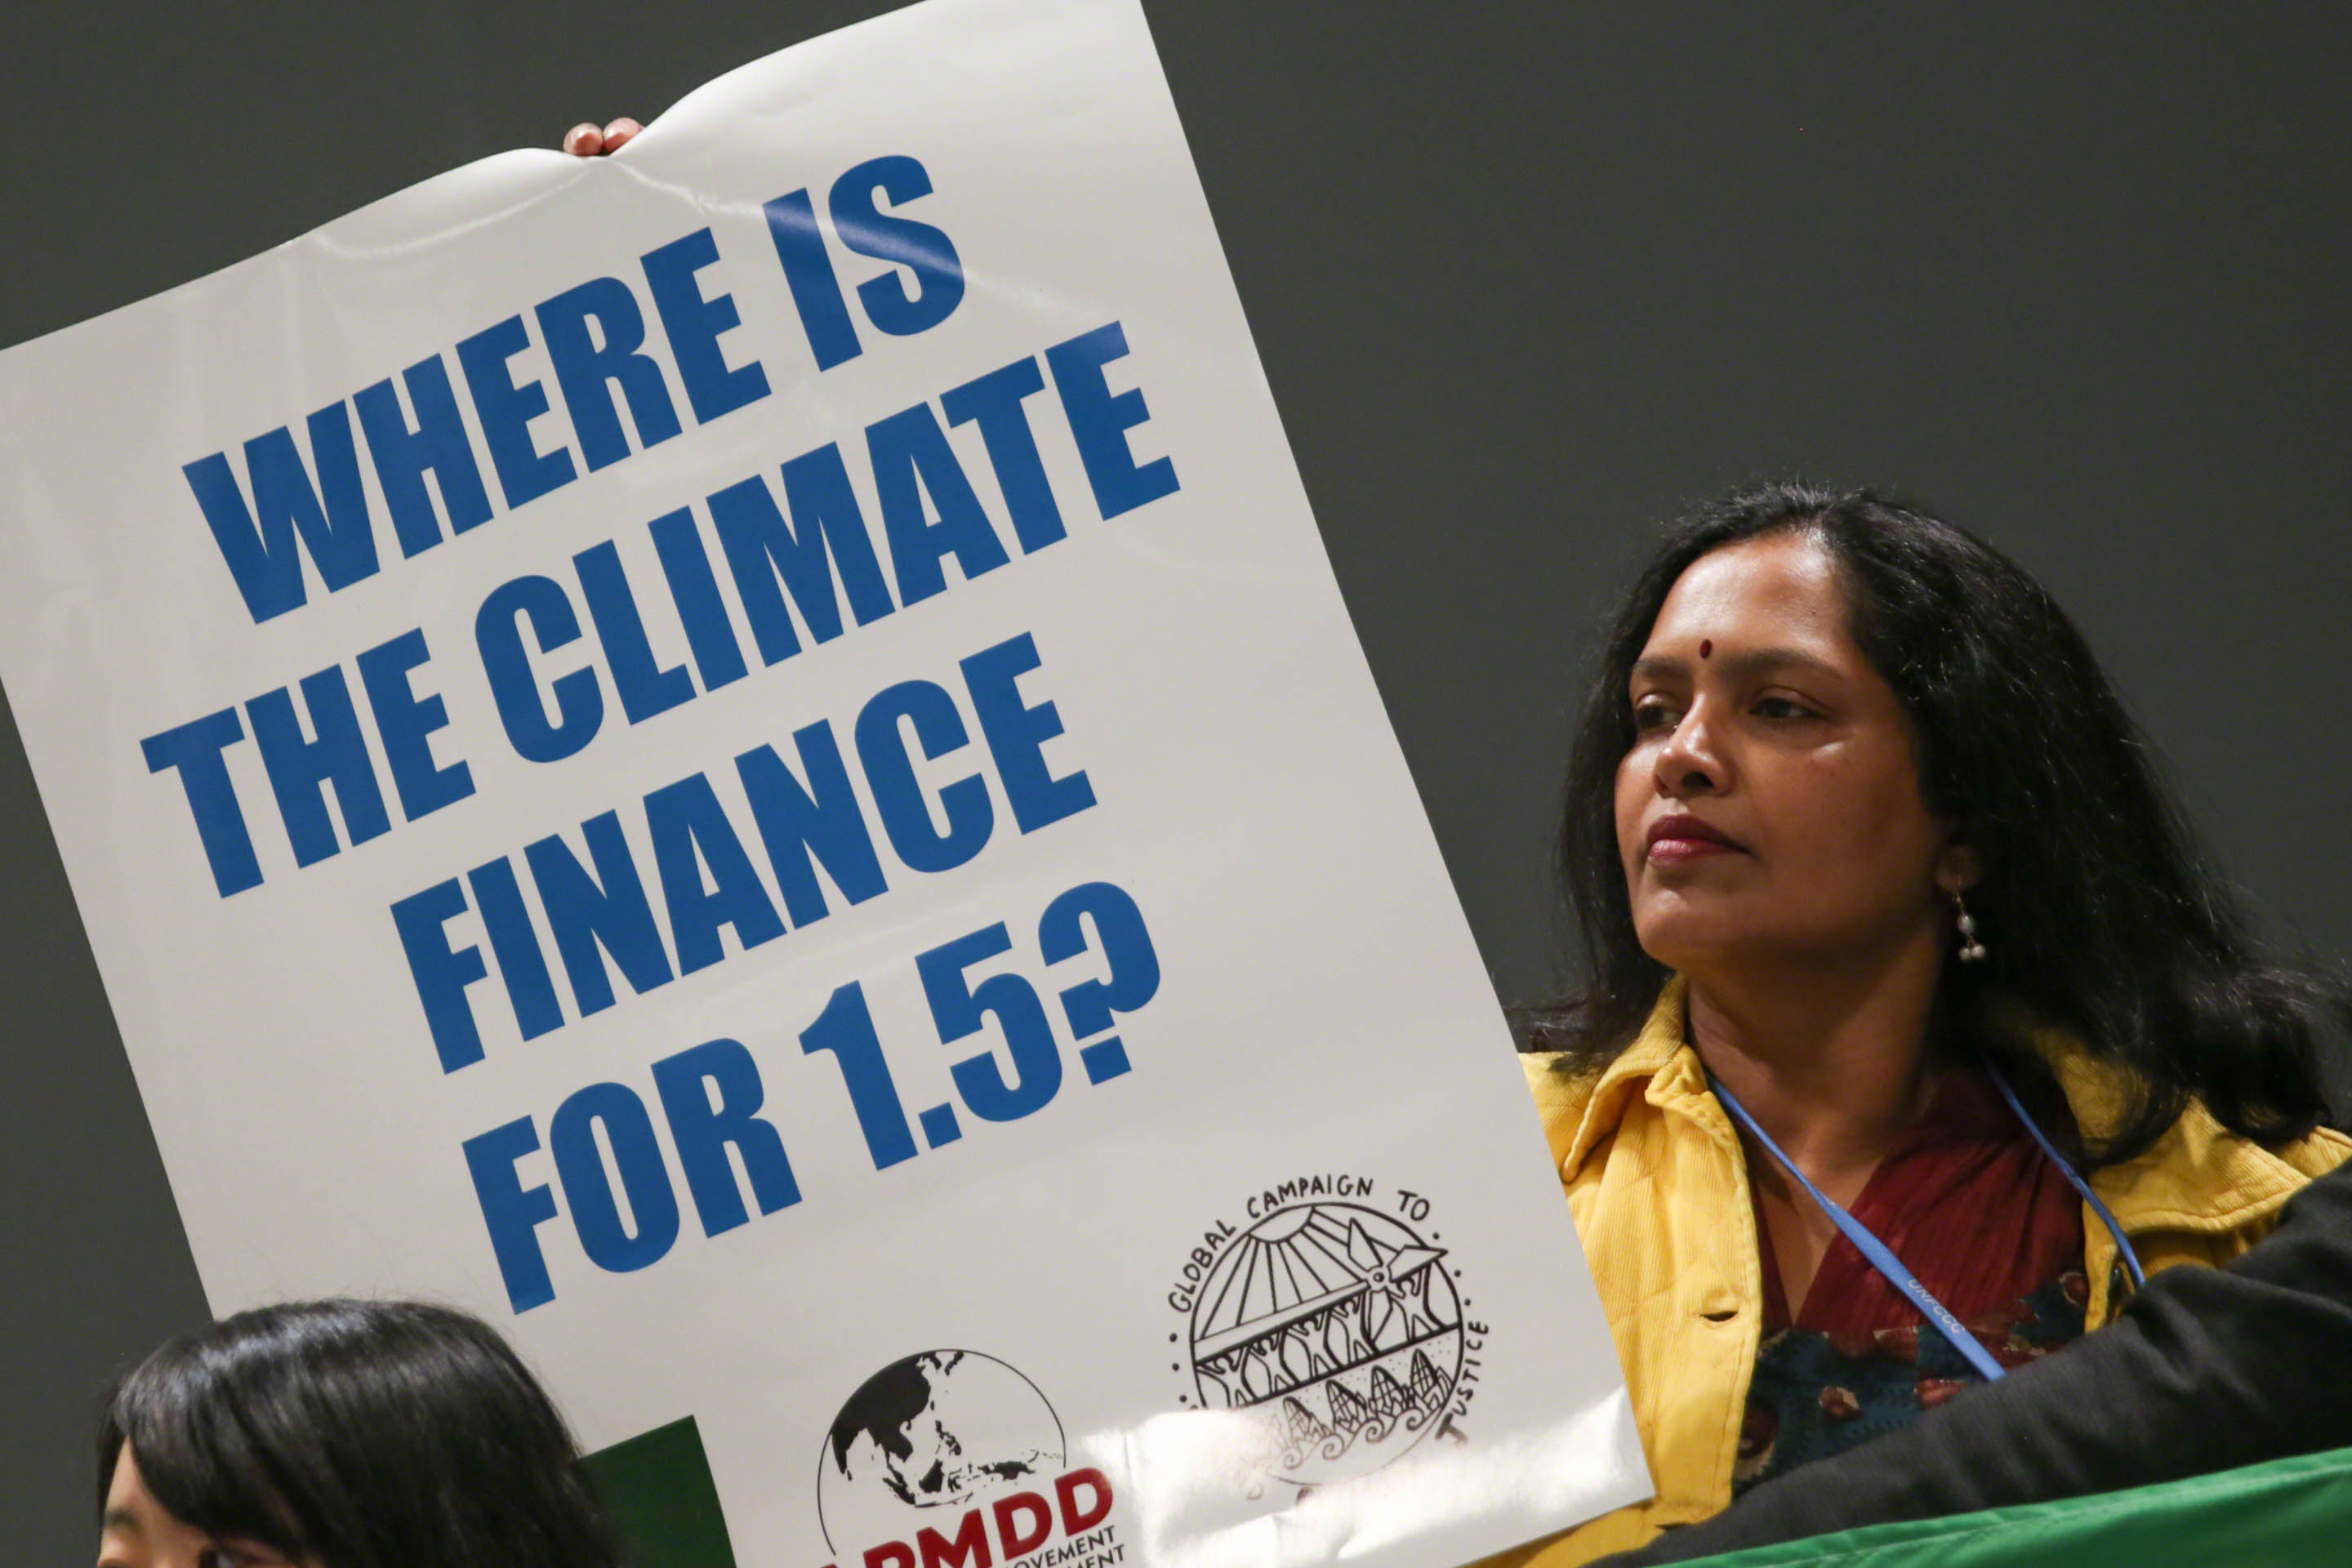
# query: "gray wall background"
1526,279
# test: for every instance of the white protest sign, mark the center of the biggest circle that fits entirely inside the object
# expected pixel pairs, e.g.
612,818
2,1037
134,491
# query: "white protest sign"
744,757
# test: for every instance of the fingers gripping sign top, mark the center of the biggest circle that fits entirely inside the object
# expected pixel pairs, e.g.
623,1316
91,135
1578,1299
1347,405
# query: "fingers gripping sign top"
585,139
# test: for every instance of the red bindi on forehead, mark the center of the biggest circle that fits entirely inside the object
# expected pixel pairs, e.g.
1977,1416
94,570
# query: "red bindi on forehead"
1705,647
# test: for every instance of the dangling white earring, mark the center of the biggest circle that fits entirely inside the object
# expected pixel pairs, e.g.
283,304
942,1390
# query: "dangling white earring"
1971,949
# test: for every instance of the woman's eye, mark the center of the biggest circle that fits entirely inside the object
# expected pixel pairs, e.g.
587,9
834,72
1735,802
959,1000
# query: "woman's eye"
1653,718
1780,708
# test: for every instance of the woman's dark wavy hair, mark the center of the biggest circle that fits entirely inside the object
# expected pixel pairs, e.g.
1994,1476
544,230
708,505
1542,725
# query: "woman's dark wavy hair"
359,1435
2095,906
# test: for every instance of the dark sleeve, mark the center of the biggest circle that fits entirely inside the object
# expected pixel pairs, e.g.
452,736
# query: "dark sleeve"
2207,1370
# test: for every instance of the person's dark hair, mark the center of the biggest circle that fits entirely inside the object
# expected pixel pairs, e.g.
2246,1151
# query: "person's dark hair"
359,1435
2096,908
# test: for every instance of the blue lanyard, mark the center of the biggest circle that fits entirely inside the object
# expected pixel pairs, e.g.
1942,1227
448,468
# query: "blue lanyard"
1883,1258
2122,1243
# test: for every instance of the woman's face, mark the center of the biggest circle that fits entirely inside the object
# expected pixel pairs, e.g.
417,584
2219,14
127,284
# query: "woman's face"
137,1532
1769,809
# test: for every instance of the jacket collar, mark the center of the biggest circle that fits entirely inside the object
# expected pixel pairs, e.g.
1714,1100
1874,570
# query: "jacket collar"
1657,1068
2198,1176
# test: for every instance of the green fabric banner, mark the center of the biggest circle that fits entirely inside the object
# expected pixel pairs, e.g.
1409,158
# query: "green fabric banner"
2290,1513
658,1488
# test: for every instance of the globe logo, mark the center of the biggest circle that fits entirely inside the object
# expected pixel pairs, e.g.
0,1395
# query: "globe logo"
943,1430
1337,1323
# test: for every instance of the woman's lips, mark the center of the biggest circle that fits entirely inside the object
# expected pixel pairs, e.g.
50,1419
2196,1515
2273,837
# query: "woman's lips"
1679,838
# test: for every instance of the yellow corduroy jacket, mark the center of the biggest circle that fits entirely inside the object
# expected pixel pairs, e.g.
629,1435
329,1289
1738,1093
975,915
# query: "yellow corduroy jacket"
1658,1186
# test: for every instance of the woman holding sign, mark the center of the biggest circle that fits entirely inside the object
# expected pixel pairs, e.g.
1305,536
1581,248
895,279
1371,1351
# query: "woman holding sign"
1915,1034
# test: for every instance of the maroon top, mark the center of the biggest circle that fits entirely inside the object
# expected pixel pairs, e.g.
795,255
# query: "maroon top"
1991,1228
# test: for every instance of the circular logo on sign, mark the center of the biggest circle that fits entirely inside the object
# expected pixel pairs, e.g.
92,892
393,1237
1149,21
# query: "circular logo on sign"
1337,1324
941,1430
